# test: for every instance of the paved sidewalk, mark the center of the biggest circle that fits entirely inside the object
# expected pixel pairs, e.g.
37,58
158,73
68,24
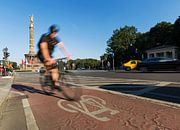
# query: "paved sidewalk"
12,113
5,86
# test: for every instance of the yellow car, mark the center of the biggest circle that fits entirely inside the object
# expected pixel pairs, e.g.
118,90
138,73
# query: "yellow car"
131,65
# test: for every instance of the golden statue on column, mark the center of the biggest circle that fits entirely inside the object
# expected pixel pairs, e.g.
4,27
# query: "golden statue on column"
31,60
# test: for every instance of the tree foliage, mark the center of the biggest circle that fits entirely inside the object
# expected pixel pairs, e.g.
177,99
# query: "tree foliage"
161,34
85,63
126,43
120,43
176,32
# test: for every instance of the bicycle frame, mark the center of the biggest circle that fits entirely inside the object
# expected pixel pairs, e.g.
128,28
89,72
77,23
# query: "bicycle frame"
46,80
69,90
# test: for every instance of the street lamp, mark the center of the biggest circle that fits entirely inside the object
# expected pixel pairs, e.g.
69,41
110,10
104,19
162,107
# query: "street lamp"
102,64
113,61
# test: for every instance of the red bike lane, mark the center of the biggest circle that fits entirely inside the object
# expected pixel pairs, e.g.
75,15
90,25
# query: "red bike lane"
98,110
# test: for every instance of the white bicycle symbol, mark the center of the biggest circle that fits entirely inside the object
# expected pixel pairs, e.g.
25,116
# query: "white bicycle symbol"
82,106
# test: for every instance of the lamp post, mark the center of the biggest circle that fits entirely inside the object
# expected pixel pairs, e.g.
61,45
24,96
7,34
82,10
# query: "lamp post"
133,51
113,61
1,65
102,64
6,55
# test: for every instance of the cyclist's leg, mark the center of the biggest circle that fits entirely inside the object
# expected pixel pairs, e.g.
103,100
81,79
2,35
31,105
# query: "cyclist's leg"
46,72
55,76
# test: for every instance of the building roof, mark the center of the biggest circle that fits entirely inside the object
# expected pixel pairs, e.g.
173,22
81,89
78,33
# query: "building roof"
162,47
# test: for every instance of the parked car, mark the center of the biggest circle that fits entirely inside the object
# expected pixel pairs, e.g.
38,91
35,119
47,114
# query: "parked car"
130,65
159,64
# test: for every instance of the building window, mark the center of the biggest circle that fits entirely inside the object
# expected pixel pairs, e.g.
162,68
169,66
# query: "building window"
176,54
169,54
161,54
151,55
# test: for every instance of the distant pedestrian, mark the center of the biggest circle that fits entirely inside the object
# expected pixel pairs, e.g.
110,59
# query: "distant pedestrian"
108,66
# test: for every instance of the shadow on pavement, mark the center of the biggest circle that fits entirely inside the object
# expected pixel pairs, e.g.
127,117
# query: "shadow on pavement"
125,88
20,87
166,93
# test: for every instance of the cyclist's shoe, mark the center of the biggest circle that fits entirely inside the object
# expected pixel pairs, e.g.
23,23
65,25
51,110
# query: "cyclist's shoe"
54,86
57,87
49,93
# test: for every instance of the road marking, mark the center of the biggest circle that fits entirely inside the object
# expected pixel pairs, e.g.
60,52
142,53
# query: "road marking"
30,120
7,77
161,84
156,85
82,106
148,89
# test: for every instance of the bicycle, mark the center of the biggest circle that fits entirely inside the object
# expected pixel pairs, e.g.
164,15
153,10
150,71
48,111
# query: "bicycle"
68,89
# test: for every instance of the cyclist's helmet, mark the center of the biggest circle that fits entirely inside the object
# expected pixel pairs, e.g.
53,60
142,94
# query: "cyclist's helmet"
53,28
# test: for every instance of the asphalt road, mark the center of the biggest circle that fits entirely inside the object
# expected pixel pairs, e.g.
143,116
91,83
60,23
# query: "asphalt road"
164,86
160,86
158,76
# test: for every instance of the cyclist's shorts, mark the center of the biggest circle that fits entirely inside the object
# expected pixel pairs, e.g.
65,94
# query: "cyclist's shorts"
50,67
41,58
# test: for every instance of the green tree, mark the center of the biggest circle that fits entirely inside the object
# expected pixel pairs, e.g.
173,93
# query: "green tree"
14,65
126,43
161,34
69,64
142,44
87,63
104,59
176,32
120,42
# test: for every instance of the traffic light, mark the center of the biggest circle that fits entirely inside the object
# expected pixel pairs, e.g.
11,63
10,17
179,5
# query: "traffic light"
4,55
7,54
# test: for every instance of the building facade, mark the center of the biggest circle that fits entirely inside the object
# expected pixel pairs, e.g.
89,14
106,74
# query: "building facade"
166,51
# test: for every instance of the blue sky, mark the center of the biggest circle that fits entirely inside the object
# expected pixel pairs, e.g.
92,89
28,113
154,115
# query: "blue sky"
85,25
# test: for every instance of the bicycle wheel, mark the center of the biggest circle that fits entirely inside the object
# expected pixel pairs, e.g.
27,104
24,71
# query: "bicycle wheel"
46,83
69,90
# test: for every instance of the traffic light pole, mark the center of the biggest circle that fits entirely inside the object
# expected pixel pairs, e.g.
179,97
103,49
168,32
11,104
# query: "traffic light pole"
5,57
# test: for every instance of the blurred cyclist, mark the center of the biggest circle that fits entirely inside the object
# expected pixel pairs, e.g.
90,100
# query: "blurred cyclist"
46,47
